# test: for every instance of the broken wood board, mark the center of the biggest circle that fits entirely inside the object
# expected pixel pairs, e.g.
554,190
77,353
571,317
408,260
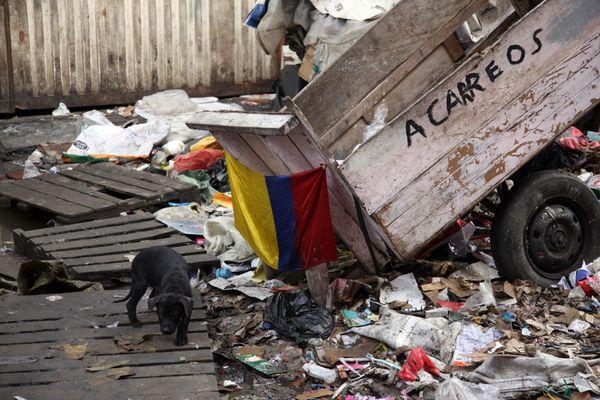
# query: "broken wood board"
284,155
490,116
243,122
37,336
104,249
94,191
393,47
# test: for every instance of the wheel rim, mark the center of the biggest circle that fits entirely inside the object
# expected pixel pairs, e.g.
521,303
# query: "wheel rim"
555,239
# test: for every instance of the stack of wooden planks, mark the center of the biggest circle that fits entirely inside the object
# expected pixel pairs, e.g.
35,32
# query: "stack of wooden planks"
100,190
103,249
47,344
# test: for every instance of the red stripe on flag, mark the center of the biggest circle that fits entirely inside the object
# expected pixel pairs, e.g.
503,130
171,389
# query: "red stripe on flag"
314,231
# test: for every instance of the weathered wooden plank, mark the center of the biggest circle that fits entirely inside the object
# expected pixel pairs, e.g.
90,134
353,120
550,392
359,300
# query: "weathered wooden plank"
403,154
130,388
536,132
137,217
408,32
243,122
97,233
75,316
239,149
106,345
119,176
455,168
72,184
69,195
64,334
43,201
113,270
145,176
111,184
135,359
73,310
121,248
435,65
74,262
81,375
102,241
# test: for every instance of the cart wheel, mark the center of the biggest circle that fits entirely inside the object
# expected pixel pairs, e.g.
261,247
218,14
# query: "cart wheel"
546,228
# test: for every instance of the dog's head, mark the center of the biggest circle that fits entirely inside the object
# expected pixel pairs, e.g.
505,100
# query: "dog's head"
171,308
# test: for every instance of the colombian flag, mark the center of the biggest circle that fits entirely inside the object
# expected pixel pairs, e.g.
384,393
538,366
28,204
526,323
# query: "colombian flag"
285,219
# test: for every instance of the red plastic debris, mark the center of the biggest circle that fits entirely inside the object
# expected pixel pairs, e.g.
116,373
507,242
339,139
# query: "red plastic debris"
417,360
201,159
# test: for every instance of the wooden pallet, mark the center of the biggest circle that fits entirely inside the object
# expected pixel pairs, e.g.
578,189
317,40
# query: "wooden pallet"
102,249
29,367
101,190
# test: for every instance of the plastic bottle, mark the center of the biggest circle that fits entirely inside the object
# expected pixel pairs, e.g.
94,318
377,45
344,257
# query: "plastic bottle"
324,374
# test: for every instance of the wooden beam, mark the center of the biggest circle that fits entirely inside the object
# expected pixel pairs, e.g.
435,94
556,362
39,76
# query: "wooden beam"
318,283
243,122
522,7
375,64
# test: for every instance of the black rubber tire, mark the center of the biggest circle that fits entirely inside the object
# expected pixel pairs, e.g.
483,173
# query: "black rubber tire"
509,236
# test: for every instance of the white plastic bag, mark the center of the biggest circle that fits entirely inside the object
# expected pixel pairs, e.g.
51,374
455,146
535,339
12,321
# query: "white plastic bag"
103,141
224,241
455,389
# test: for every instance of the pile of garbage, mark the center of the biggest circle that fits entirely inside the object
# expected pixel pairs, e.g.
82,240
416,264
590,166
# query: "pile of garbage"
445,330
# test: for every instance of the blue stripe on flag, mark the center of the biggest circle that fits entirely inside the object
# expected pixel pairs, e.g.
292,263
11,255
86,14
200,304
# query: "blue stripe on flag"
282,205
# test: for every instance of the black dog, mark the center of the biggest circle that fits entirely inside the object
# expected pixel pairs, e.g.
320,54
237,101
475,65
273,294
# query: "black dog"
163,269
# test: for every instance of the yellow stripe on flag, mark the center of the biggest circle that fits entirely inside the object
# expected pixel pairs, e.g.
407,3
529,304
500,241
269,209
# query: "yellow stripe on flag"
252,210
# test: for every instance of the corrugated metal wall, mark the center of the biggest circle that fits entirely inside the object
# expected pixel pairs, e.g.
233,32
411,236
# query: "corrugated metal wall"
91,52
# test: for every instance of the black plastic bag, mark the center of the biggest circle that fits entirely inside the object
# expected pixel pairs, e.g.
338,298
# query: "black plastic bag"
296,316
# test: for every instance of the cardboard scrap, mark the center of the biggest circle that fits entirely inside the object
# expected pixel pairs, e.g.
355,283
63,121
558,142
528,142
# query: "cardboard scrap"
112,375
72,351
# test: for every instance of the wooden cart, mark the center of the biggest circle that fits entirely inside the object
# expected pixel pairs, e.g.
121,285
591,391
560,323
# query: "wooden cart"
458,126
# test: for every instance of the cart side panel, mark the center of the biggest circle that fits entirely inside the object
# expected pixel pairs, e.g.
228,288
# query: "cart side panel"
411,30
480,124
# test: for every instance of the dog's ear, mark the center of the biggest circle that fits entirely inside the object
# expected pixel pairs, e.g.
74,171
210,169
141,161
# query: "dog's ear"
187,303
153,302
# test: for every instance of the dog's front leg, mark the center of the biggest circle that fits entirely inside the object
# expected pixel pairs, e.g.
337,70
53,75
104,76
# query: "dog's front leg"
137,292
182,328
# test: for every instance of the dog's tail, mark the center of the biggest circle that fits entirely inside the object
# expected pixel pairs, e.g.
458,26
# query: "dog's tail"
124,298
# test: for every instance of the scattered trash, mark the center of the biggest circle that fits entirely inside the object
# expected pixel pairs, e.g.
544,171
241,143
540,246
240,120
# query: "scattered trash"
477,272
354,318
263,366
61,110
407,331
416,361
51,276
102,139
242,283
112,375
296,316
72,351
403,289
471,339
188,219
321,373
54,298
224,241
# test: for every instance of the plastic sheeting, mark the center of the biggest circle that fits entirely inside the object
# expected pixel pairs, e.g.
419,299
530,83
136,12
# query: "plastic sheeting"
358,10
